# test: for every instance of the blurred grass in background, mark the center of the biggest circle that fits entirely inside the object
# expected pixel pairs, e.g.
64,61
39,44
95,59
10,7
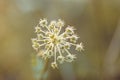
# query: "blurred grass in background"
97,23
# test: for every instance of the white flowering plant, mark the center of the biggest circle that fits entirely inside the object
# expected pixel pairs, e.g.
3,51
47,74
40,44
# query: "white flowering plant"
52,42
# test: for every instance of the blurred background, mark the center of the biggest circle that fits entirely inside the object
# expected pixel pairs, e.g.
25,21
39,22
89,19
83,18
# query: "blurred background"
97,23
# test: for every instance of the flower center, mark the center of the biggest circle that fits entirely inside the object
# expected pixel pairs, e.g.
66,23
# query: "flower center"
55,39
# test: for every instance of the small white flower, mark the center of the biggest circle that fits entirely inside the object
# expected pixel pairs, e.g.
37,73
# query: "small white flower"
60,59
74,38
79,47
50,54
36,46
40,36
43,22
34,40
67,45
54,65
60,23
53,23
70,30
37,29
70,57
56,44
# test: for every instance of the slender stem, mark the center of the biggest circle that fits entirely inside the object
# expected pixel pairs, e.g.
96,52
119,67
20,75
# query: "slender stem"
55,54
44,70
59,31
59,50
48,29
67,51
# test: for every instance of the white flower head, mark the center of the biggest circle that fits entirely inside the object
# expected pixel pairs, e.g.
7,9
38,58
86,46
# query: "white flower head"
56,44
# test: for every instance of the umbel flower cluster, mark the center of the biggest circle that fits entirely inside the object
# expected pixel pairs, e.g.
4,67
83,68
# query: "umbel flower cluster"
54,43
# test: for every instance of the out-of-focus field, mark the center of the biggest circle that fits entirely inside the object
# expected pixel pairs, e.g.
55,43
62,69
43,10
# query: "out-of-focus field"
97,22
